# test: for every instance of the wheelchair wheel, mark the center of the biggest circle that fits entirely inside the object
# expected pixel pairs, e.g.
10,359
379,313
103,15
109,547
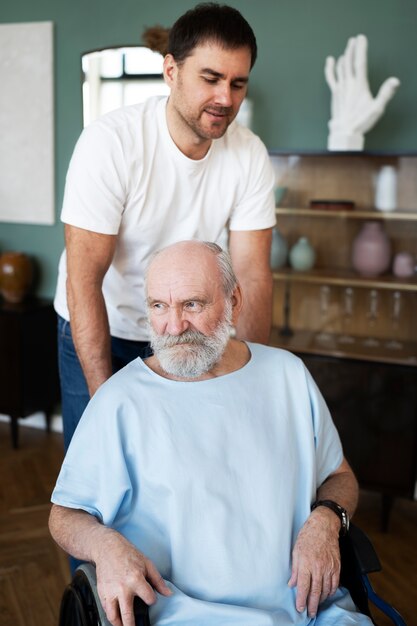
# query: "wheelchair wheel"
81,606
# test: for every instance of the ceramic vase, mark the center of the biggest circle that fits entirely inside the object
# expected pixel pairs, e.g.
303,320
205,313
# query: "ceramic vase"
16,274
403,265
386,189
371,250
302,255
279,195
279,250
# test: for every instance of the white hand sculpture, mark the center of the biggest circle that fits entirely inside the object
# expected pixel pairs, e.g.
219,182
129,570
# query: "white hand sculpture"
354,109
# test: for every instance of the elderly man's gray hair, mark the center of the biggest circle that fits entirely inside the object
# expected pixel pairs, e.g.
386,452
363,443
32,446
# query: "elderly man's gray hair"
229,280
224,262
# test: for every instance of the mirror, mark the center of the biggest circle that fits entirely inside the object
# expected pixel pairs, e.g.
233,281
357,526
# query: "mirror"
116,77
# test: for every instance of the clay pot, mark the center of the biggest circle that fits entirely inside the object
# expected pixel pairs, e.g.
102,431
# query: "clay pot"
371,250
16,273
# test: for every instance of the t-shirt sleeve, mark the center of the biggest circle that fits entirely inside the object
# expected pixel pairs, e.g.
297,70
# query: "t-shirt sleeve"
94,476
329,452
95,188
255,209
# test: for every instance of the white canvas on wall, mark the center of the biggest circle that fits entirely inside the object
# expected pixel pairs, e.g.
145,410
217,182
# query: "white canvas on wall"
26,123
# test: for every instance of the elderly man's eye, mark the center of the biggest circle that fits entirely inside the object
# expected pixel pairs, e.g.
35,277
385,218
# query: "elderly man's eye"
193,306
157,307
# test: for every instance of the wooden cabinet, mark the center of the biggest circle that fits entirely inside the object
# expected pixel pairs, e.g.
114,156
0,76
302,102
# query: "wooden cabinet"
358,335
374,407
28,361
381,323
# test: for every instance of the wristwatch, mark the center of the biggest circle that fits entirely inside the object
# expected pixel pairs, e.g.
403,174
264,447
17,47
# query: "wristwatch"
341,513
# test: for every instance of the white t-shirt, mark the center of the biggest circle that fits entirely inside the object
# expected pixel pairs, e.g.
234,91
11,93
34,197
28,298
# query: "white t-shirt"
128,178
212,480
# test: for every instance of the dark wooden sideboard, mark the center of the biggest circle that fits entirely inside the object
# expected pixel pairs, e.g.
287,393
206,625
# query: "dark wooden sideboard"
374,406
28,361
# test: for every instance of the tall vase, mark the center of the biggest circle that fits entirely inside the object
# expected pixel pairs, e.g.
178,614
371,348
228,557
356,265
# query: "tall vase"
371,250
386,189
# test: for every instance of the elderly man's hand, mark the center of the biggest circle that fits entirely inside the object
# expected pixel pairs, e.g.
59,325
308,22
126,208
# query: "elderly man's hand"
123,573
316,560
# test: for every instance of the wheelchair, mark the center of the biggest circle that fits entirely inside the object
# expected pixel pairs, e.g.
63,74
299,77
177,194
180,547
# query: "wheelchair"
80,605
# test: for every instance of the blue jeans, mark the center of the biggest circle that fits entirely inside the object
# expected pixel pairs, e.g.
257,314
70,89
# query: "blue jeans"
74,392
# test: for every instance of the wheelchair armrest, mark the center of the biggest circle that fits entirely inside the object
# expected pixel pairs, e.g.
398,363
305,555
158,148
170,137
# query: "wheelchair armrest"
364,551
358,560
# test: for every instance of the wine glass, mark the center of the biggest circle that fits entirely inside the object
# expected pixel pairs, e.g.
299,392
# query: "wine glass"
324,302
348,300
396,313
286,330
372,315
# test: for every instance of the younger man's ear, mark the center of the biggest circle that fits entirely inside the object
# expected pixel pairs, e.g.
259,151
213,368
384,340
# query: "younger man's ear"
170,69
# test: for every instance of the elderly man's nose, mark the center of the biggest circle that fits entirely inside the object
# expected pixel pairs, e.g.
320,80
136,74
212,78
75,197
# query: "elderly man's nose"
176,324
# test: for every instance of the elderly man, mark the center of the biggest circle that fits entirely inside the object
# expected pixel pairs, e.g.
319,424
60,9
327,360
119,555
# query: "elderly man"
193,473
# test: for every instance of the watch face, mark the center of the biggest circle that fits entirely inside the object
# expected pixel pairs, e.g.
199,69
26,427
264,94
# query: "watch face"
345,520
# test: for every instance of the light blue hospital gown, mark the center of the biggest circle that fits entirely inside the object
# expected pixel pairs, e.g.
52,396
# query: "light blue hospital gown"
212,480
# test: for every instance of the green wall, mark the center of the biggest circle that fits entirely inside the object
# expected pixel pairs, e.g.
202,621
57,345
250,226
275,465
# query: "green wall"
287,85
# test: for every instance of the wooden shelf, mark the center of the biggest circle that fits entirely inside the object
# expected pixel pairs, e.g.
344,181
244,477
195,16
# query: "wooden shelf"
309,342
354,214
332,229
343,278
339,154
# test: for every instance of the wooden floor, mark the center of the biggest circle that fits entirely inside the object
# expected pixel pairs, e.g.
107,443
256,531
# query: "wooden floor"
34,572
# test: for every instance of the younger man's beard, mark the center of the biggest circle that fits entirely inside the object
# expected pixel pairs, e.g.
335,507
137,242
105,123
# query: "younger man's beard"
192,353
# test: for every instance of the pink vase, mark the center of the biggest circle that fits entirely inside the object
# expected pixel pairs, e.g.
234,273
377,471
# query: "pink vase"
371,250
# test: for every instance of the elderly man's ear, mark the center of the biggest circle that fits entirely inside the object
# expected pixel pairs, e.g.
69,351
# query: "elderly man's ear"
237,303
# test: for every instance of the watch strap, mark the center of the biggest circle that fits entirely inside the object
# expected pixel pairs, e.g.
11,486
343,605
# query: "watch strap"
339,510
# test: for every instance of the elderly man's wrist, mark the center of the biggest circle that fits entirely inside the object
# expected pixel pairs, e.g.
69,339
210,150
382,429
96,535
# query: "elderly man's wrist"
337,510
328,518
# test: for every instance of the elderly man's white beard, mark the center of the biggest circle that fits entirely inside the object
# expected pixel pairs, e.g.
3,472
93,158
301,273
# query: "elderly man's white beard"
192,353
